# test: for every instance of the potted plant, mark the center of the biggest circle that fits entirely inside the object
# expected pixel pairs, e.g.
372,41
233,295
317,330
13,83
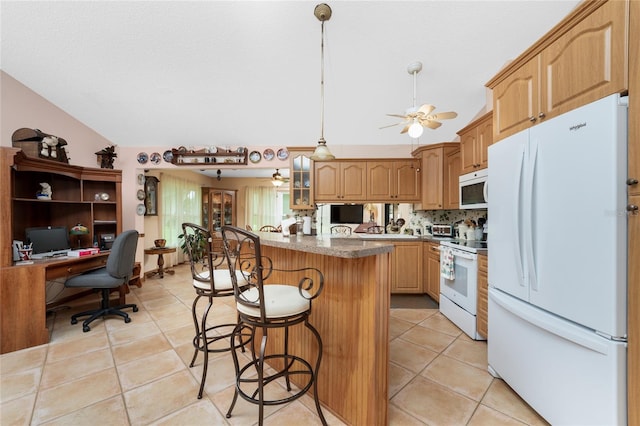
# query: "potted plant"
193,245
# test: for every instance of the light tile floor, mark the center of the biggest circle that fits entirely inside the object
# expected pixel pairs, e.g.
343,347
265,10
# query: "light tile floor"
138,374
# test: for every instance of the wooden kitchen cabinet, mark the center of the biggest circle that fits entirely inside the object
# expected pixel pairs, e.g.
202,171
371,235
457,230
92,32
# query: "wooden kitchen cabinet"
482,324
218,208
474,142
432,270
393,181
342,181
440,165
579,61
301,178
406,267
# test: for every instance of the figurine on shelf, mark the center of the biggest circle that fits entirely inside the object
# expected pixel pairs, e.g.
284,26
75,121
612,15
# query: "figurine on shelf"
49,144
106,156
45,192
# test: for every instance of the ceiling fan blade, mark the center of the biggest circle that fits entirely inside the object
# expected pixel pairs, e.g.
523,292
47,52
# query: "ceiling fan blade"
398,115
430,124
425,109
390,125
443,115
406,128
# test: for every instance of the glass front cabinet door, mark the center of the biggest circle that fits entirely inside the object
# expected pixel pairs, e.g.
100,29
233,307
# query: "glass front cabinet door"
218,208
300,178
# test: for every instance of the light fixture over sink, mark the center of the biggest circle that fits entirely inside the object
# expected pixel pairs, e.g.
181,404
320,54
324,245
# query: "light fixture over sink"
322,11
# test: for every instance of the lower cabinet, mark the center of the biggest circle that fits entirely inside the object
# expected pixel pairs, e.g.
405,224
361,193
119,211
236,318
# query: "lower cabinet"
432,270
483,294
406,267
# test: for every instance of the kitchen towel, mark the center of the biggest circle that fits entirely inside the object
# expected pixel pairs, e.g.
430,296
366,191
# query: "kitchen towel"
447,269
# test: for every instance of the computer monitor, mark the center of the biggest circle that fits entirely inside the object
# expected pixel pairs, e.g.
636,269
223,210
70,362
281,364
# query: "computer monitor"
47,239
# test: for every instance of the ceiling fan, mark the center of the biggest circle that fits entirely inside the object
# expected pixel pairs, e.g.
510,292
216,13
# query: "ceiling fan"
416,119
277,179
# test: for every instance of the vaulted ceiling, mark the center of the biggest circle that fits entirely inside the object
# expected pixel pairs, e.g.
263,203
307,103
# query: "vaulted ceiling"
244,73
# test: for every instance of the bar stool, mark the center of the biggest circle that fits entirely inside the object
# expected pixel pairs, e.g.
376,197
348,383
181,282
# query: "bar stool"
209,282
264,307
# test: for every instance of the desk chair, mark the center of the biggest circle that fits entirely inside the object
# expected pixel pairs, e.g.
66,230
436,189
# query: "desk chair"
263,307
341,229
208,282
117,272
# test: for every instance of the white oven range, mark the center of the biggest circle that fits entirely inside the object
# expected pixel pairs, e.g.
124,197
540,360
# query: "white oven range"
458,296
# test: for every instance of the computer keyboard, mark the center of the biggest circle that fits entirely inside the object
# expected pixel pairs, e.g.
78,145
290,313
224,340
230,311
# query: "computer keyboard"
50,254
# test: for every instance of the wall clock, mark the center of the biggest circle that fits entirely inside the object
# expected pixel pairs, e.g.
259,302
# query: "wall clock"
151,196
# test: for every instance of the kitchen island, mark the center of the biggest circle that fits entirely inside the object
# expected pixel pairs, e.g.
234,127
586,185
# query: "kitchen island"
351,315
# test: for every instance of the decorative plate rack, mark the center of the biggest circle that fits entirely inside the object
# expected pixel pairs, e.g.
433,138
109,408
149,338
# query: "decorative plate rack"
184,157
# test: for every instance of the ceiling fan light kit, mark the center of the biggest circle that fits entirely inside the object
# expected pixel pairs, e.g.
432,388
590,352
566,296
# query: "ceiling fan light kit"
416,119
322,11
277,180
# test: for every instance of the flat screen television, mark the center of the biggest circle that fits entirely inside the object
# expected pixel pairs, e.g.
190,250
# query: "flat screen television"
48,238
347,213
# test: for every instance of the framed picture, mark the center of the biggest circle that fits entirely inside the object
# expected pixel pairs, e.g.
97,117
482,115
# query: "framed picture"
151,196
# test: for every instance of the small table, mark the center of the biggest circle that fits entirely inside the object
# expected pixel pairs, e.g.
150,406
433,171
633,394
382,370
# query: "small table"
160,251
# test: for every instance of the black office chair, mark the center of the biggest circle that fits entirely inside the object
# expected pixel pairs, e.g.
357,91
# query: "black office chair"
211,279
116,273
262,307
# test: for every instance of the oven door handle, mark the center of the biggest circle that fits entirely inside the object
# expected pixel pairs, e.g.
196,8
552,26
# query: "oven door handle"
463,255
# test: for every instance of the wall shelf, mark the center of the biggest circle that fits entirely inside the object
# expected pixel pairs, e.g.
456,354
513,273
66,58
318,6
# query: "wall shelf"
203,156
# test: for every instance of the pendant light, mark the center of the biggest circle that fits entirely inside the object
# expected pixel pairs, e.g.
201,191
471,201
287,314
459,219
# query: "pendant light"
276,179
322,153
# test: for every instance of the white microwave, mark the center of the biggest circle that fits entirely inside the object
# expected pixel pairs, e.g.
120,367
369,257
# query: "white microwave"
474,192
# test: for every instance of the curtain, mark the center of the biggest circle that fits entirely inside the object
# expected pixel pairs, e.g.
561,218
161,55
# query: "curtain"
181,202
261,207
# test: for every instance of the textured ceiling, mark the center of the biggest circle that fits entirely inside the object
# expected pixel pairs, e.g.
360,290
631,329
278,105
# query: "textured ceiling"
247,73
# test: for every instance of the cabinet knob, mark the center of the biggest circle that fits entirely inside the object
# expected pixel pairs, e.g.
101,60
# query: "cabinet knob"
532,119
542,115
632,181
632,208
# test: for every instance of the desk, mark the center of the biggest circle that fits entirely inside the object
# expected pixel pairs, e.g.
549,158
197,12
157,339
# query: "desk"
160,251
23,310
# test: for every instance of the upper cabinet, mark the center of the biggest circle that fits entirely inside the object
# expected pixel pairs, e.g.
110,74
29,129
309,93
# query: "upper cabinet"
395,181
440,165
474,141
301,179
581,60
342,181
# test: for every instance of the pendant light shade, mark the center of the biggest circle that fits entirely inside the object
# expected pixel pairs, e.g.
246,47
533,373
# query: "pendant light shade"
322,153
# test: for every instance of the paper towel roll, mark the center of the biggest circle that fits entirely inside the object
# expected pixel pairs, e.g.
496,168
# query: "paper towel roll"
306,225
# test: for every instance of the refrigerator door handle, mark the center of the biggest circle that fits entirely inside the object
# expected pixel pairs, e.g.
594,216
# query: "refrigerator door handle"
516,222
531,261
551,324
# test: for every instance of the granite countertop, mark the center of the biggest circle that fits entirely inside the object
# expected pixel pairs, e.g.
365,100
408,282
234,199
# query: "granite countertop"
328,245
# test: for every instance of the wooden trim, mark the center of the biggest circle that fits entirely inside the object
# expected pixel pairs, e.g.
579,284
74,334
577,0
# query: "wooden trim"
476,122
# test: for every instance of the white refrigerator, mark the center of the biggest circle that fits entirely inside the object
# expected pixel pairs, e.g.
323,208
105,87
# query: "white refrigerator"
557,264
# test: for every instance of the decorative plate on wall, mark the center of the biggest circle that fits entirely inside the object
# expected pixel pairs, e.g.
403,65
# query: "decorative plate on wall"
283,154
140,179
255,157
140,194
268,154
167,156
155,158
140,209
143,158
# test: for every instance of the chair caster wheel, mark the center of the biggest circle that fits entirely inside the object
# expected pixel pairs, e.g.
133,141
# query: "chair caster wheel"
127,320
74,321
85,328
135,309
